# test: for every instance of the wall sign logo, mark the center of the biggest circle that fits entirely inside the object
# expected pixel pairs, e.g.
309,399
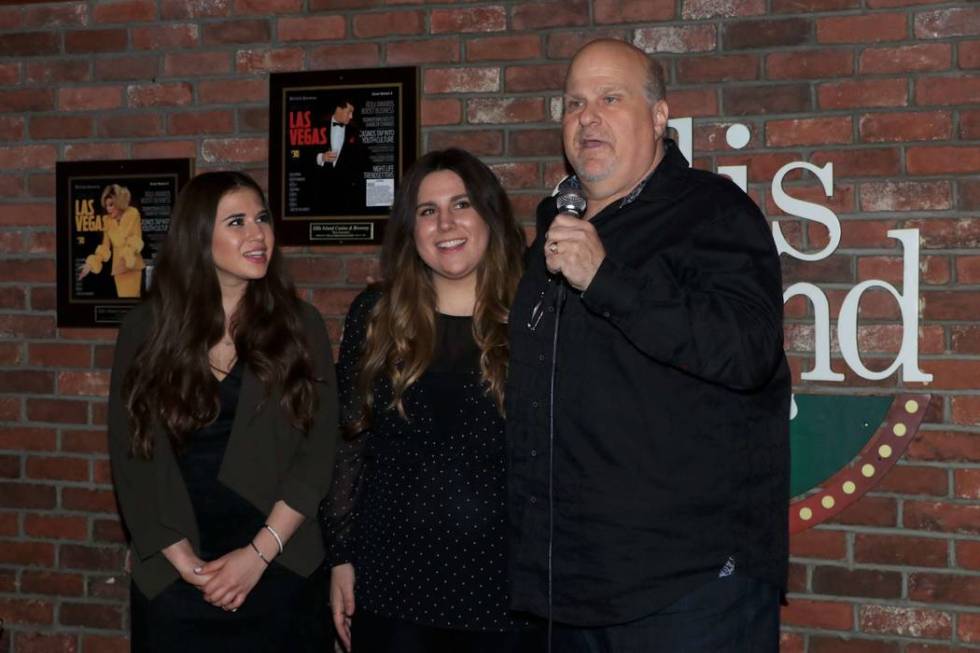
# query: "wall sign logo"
842,445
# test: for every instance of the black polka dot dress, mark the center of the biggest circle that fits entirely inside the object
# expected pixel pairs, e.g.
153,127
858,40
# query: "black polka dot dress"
417,505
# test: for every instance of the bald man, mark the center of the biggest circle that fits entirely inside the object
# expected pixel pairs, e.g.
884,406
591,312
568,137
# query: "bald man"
648,401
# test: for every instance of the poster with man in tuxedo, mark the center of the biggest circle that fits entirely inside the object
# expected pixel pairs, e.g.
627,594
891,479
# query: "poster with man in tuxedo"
339,186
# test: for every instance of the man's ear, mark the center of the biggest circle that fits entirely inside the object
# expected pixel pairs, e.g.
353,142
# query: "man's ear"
661,114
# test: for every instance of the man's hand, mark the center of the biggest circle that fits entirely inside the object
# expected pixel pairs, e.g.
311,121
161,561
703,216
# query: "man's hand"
572,247
342,600
232,577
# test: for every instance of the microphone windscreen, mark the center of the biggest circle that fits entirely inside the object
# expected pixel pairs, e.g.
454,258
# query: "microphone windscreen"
571,202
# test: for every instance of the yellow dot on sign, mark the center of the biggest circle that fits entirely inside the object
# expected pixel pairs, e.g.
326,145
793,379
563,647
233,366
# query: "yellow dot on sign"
899,430
827,502
868,471
849,487
885,451
806,514
911,406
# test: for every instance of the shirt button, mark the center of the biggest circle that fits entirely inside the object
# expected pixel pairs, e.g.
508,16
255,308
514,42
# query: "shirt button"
605,314
541,357
551,309
533,500
534,404
534,452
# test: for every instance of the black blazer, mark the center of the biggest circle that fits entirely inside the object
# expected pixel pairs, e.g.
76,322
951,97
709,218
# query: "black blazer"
267,460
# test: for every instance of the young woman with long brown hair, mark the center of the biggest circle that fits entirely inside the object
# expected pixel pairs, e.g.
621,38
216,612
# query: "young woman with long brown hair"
415,518
222,419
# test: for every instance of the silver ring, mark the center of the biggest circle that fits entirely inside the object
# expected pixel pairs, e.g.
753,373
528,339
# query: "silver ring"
553,248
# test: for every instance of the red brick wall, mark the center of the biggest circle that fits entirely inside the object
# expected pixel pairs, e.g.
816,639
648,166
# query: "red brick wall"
889,90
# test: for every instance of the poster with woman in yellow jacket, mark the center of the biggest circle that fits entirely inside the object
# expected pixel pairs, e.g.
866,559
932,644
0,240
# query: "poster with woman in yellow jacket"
122,243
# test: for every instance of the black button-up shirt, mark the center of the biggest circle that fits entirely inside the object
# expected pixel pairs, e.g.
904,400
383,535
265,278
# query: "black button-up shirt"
670,399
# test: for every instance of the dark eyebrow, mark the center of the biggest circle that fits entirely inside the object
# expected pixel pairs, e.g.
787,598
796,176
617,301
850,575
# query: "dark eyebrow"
233,216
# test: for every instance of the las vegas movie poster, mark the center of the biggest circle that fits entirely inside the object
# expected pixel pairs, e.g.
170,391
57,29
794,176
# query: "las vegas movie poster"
112,218
339,143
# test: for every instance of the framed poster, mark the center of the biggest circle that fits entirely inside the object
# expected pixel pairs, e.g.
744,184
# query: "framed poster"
112,217
339,143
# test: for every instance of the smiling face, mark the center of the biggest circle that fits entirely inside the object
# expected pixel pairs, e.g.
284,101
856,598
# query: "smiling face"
450,236
611,132
242,241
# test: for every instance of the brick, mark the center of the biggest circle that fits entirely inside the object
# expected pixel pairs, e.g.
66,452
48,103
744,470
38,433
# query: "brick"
947,234
315,270
347,55
262,61
30,99
202,122
92,41
809,131
89,98
840,581
968,554
828,615
966,339
126,68
384,24
887,549
862,28
970,125
164,150
243,90
515,176
631,11
544,77
180,9
693,38
483,142
59,354
912,480
126,11
529,16
26,495
472,19
694,102
944,23
961,89
968,269
26,381
766,33
968,627
249,30
90,615
57,410
59,527
969,54
57,468
33,554
267,6
129,125
700,9
60,127
60,70
534,142
165,36
20,438
905,622
26,611
942,517
863,93
520,46
235,150
940,160
91,558
921,57
159,95
813,543
444,111
45,643
504,110
870,511
810,65
86,500
311,28
965,410
810,6
944,588
78,441
718,68
106,644
461,80
253,119
906,196
441,50
825,644
564,44
768,99
55,16
27,270
863,162
93,384
108,530
898,127
966,483
181,64
29,44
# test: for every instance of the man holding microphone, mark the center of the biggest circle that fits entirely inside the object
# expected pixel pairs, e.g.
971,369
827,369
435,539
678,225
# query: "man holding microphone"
648,394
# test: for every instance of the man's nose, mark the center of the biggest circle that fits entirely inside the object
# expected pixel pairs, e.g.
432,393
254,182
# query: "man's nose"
589,114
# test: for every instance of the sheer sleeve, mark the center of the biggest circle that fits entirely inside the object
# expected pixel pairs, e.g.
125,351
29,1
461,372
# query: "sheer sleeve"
338,512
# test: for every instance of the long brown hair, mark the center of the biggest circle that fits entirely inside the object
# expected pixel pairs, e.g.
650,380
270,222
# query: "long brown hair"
170,381
401,331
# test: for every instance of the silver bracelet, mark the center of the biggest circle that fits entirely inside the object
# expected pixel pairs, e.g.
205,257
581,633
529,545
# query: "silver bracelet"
275,535
259,553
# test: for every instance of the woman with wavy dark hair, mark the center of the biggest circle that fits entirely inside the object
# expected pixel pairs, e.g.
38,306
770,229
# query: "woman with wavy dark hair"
222,418
416,512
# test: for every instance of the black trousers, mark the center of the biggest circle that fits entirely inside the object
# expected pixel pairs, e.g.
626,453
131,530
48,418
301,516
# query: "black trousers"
725,615
372,633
